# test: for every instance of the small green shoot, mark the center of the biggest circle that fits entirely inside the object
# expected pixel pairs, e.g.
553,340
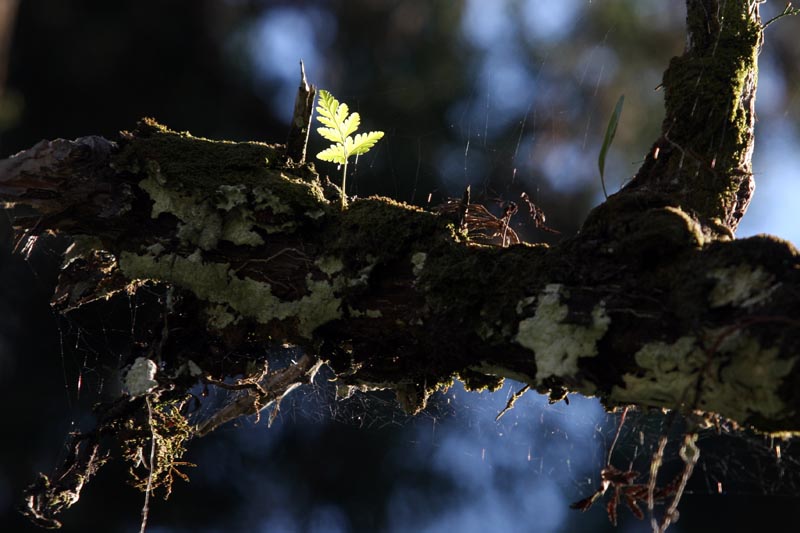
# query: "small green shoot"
611,130
339,127
787,12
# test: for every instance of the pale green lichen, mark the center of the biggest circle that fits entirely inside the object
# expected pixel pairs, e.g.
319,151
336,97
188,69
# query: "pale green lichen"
140,379
369,313
742,286
200,224
361,279
226,214
557,345
155,249
669,373
238,228
216,283
330,265
485,331
750,382
219,316
524,303
418,262
231,196
194,368
741,379
265,197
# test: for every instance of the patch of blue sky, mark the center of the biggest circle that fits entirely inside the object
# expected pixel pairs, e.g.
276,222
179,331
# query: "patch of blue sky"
776,165
597,66
527,464
551,21
566,164
486,24
776,160
507,88
279,40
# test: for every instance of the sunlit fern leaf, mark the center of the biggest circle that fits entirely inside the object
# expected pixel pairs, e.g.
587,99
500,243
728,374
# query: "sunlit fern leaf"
338,127
351,124
364,141
330,134
327,105
326,120
611,130
340,112
333,154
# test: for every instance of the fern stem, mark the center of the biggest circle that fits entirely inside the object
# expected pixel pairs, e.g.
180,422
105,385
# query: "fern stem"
344,182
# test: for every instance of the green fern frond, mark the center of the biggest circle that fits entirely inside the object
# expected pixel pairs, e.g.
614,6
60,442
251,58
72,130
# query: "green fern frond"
332,154
364,141
338,127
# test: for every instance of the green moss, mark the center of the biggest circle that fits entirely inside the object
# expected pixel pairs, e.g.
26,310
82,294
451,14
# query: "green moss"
386,228
219,189
478,382
708,99
165,432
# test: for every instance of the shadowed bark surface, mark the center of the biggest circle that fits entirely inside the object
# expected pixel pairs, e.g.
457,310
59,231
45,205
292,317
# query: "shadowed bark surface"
239,250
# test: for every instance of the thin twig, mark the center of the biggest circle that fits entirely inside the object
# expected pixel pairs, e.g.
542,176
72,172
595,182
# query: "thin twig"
511,401
689,462
619,429
149,489
787,11
274,385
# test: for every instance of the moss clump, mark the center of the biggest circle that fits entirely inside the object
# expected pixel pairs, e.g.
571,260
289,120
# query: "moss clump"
160,432
477,382
184,165
383,226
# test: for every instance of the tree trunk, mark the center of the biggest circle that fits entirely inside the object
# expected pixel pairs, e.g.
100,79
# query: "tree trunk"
653,303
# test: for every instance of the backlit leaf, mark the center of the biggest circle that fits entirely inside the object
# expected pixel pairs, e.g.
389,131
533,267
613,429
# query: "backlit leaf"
611,130
333,154
364,141
338,126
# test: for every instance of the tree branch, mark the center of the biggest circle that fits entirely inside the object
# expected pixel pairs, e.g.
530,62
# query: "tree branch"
653,303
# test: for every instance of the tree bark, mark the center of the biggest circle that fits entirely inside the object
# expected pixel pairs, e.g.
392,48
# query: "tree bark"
653,303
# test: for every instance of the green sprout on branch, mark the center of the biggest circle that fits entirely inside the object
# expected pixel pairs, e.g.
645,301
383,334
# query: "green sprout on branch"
611,131
339,127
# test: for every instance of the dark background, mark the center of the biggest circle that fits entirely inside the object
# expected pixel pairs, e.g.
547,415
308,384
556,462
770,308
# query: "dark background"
506,96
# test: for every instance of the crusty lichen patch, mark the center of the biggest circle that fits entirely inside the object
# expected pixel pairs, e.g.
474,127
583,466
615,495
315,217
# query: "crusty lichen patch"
216,283
200,225
228,213
418,262
742,286
330,265
220,190
750,382
741,380
558,345
140,379
669,372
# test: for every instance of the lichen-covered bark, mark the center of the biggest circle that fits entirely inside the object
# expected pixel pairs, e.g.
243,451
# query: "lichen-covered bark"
653,303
